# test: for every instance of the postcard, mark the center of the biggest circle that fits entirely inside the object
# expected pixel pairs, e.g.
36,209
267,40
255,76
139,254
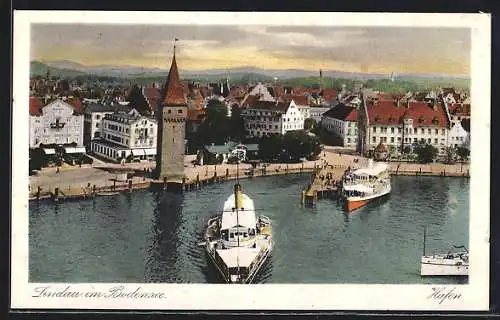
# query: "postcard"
250,161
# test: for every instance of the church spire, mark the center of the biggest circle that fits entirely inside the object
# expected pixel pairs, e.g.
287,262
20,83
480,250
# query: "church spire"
174,93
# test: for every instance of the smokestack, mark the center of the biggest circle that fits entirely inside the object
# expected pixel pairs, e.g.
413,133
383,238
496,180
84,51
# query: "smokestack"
320,80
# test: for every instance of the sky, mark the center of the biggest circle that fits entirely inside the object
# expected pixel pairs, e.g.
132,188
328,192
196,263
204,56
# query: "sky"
349,49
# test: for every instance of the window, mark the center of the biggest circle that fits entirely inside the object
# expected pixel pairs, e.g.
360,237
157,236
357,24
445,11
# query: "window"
392,139
442,132
98,116
423,131
399,139
348,140
179,111
169,111
374,139
429,131
392,130
415,130
435,141
436,131
429,140
415,140
374,129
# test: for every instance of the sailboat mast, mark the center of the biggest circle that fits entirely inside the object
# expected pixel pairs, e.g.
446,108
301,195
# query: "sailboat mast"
425,235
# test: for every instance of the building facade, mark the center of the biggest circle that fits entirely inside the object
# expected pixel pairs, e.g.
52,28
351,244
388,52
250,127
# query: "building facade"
399,125
56,123
124,135
172,129
93,116
342,121
269,118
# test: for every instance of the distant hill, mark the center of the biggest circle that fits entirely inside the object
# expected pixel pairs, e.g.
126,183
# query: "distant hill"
139,75
40,69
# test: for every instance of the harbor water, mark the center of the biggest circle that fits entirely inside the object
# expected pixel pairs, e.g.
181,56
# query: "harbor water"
153,237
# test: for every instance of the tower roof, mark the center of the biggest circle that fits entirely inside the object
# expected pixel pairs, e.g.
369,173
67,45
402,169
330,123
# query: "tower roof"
174,93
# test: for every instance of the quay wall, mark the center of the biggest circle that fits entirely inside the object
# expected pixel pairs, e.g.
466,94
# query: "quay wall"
199,176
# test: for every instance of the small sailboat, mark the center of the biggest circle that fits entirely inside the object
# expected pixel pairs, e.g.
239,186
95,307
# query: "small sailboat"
449,264
237,242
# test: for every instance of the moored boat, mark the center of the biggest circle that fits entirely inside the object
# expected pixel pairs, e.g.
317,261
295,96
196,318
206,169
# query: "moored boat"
237,242
361,186
449,264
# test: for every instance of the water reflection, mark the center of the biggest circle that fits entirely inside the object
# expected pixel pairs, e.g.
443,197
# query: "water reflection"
162,255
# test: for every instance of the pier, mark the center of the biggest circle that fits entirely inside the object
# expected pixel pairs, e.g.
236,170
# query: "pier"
324,184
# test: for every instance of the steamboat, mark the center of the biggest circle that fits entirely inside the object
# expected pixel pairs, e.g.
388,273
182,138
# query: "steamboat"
237,242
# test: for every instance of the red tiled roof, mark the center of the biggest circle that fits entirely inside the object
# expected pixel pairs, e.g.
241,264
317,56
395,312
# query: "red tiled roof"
174,90
299,100
459,109
35,106
250,100
387,112
329,94
152,96
76,103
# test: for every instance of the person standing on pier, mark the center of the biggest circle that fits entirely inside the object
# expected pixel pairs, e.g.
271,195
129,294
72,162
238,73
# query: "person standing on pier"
57,170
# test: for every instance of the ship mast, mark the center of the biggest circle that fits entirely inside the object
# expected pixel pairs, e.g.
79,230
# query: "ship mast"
425,234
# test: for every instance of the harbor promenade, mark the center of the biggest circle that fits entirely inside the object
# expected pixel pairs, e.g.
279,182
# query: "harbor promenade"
75,181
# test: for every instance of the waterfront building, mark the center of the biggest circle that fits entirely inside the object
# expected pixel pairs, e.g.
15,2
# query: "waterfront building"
172,114
58,122
212,154
267,118
93,115
342,121
401,124
126,135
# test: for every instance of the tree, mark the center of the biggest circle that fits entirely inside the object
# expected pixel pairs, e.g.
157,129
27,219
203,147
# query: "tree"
463,153
450,155
270,148
215,126
310,124
237,124
138,101
425,152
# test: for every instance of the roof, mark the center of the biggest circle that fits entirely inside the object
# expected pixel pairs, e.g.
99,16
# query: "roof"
299,100
35,106
371,171
152,95
342,112
272,106
329,94
386,112
98,107
174,90
459,109
76,103
245,218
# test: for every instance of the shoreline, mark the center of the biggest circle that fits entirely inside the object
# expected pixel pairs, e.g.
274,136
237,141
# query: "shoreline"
192,184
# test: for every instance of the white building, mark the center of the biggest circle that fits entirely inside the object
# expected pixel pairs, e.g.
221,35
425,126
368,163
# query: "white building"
302,104
458,136
400,125
127,134
267,118
342,121
261,92
94,113
56,123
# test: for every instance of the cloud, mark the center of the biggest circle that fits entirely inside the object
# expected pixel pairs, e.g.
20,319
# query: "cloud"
205,46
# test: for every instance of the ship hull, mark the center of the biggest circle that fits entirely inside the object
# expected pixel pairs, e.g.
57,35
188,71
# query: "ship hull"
435,269
354,203
252,273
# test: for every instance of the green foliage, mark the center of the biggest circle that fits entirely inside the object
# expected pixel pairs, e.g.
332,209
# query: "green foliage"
425,152
463,153
37,159
450,156
138,101
215,127
310,124
291,147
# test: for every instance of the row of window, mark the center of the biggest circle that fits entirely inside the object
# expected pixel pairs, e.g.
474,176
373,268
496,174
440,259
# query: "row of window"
408,130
